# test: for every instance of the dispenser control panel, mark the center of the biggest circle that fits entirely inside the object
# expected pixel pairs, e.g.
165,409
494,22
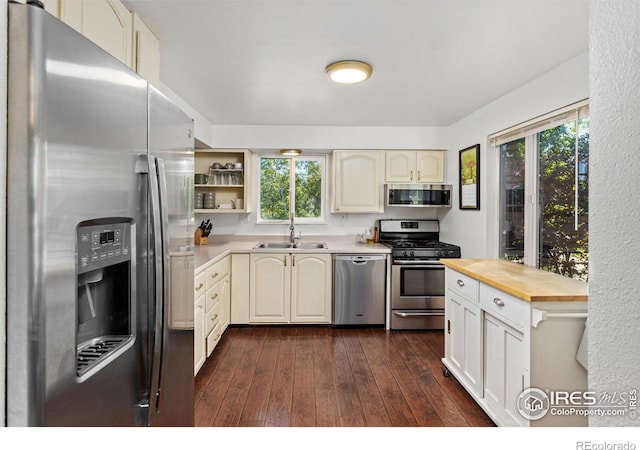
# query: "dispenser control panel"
103,245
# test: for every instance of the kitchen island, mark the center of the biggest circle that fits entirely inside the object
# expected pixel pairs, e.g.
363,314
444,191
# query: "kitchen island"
513,339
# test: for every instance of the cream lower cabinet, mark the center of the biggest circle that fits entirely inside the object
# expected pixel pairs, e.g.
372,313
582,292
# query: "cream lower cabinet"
212,303
497,346
290,288
199,336
358,181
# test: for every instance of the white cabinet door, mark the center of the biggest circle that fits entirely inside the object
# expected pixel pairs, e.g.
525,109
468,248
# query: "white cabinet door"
270,288
430,166
463,341
199,338
504,368
311,288
146,52
358,181
400,166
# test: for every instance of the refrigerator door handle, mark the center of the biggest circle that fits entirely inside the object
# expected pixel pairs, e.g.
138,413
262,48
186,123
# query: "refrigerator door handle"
154,168
163,272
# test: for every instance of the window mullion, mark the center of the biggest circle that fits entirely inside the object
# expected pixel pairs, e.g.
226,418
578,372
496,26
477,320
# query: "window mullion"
532,218
292,187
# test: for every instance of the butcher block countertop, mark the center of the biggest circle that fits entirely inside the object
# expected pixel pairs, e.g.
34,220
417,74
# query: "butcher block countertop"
524,282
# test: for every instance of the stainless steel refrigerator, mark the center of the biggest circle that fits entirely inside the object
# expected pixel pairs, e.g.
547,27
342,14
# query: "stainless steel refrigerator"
100,237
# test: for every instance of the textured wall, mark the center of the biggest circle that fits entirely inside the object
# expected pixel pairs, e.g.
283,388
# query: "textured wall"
614,303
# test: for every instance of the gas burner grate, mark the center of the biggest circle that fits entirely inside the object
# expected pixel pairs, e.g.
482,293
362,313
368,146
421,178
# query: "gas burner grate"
93,352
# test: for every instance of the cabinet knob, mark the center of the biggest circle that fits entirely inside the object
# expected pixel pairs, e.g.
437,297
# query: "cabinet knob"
460,283
498,302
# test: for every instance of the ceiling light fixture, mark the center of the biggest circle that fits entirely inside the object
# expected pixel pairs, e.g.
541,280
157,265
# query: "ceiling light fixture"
290,151
348,72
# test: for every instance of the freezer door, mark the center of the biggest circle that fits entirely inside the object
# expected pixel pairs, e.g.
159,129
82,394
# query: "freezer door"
171,147
77,123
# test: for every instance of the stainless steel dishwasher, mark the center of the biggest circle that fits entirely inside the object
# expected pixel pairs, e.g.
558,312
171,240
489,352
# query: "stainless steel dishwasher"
359,283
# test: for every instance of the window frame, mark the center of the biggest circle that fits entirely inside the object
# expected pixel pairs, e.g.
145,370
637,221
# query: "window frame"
322,219
529,131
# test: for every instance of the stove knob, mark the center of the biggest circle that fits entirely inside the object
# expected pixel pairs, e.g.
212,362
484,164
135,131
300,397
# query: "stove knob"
412,253
404,254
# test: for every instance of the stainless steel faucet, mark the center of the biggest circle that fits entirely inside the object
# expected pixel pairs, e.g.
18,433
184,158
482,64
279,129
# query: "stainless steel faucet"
292,234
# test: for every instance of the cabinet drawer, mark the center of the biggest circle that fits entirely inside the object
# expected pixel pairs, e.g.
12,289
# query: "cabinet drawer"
502,305
212,318
217,271
213,296
213,338
199,284
462,285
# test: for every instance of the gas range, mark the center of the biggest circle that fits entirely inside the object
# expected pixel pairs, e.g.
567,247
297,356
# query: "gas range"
415,240
417,275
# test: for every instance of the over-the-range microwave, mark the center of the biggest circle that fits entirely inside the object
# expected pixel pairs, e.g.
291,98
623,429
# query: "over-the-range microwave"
418,195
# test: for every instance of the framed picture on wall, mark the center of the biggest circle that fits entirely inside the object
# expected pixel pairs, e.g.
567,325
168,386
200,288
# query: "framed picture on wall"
469,165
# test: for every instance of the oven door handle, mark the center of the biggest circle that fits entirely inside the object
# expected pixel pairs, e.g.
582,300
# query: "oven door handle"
418,264
417,314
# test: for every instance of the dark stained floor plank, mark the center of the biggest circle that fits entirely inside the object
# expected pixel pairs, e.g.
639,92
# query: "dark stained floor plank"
288,376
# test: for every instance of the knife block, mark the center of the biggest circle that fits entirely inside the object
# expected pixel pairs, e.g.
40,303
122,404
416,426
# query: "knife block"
199,238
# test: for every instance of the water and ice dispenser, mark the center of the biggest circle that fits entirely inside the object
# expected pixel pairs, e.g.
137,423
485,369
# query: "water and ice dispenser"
105,292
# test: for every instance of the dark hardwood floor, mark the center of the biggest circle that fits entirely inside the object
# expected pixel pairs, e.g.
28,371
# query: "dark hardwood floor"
330,377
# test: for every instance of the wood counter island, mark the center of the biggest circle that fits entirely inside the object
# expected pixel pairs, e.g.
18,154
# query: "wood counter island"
509,329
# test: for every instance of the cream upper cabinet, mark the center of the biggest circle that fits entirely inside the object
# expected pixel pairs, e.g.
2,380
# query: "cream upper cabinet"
146,52
410,166
108,23
358,181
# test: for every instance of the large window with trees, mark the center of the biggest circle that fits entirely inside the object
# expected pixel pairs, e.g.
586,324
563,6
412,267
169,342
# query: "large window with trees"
292,185
544,189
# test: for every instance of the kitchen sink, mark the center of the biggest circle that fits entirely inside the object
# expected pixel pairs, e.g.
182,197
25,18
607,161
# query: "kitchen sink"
286,245
309,245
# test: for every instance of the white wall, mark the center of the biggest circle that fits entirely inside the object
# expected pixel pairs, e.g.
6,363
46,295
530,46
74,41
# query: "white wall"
3,182
475,231
614,222
320,140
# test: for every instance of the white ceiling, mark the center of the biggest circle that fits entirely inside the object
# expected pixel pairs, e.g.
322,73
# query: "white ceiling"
245,62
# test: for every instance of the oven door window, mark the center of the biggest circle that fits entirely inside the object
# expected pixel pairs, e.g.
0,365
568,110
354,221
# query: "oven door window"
422,282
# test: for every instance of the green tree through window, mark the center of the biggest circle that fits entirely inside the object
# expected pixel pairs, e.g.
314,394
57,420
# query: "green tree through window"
288,184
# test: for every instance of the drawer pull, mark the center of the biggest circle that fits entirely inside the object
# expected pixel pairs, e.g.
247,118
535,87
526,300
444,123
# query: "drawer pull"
215,316
498,302
216,337
214,296
460,283
199,287
214,275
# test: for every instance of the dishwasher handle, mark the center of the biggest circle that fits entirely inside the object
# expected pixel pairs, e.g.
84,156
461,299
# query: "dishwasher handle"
360,259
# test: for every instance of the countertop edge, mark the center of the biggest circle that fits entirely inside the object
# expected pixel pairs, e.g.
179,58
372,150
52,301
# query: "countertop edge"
521,293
